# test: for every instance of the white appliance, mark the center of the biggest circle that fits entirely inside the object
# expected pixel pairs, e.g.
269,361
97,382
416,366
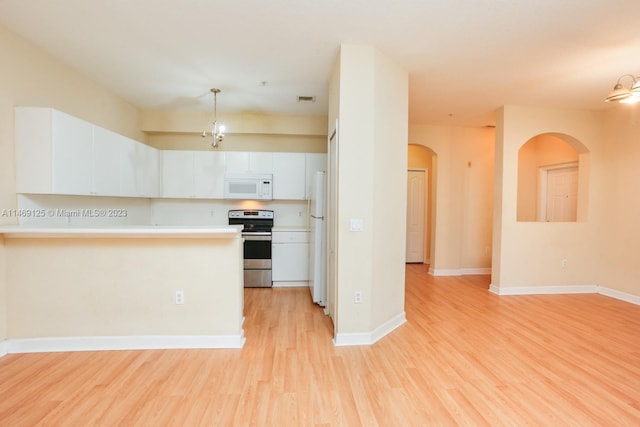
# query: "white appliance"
248,186
317,245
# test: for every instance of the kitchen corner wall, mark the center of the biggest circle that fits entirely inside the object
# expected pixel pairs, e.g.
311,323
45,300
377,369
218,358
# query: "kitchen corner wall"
29,77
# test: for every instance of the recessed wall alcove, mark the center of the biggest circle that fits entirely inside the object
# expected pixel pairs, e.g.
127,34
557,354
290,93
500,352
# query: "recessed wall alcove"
553,179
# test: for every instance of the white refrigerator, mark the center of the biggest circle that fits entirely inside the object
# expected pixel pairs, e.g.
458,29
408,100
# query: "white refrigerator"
317,245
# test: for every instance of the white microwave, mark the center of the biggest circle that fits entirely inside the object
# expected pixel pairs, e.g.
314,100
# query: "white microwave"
248,186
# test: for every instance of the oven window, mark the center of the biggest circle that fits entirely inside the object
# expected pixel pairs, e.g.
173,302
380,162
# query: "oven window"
257,249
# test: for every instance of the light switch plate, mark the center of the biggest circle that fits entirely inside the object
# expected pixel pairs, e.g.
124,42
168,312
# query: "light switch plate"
356,224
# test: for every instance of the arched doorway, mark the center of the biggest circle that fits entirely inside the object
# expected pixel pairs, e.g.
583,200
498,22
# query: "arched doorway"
421,161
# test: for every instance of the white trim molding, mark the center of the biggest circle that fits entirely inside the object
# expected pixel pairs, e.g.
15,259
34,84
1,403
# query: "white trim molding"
162,342
369,338
544,290
571,289
4,348
623,296
459,271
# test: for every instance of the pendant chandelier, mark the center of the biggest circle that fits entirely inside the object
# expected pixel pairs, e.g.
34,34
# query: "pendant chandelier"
217,129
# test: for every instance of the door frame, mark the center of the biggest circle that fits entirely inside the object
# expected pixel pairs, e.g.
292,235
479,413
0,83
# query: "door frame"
425,234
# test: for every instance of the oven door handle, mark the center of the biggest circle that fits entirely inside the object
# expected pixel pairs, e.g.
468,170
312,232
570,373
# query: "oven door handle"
257,236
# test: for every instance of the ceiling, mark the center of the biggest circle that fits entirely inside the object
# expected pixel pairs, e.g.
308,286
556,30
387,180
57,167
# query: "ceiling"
465,58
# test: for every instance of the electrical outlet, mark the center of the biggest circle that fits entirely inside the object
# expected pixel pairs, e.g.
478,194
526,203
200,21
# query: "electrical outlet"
564,263
179,297
357,297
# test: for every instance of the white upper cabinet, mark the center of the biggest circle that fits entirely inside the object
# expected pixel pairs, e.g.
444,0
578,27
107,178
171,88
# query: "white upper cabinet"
177,174
152,171
106,162
314,162
193,174
289,176
48,144
71,139
208,168
249,162
261,162
60,154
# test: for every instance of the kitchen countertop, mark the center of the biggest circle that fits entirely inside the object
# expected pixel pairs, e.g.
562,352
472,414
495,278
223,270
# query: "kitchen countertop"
133,231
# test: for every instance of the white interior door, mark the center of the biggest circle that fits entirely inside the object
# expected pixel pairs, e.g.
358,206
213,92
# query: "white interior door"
416,215
562,195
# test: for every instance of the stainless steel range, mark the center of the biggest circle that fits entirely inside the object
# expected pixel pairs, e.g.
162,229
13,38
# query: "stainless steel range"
257,245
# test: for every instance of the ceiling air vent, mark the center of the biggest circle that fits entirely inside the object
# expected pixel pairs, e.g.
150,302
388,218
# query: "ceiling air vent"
306,99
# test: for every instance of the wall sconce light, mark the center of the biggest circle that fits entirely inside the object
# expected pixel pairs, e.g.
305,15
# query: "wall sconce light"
217,129
625,94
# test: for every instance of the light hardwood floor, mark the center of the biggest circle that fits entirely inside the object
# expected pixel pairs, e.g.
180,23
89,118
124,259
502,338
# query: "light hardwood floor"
465,357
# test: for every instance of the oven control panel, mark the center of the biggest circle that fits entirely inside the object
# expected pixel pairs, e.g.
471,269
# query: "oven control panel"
242,213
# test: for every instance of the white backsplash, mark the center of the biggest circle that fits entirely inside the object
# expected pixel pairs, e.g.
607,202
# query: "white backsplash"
86,211
36,209
214,212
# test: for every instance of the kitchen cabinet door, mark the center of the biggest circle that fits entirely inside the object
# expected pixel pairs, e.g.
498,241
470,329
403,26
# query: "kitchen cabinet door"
178,174
151,178
236,162
106,162
289,176
209,167
248,162
314,162
290,258
72,154
260,162
132,168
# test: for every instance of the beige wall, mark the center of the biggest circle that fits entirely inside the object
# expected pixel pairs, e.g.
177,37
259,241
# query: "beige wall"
618,245
373,97
29,77
241,142
180,130
421,157
463,197
391,100
3,293
123,287
530,254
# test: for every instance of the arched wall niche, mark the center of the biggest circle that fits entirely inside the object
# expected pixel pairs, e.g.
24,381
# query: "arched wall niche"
553,179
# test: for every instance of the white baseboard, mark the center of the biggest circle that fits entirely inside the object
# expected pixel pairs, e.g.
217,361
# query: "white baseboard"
623,296
575,289
290,284
3,348
368,338
39,345
458,271
544,290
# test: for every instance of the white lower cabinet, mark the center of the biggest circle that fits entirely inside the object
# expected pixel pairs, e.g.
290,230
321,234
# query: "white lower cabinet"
290,258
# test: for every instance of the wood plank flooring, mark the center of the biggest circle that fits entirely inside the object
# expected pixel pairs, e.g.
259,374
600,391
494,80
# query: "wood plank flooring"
465,357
